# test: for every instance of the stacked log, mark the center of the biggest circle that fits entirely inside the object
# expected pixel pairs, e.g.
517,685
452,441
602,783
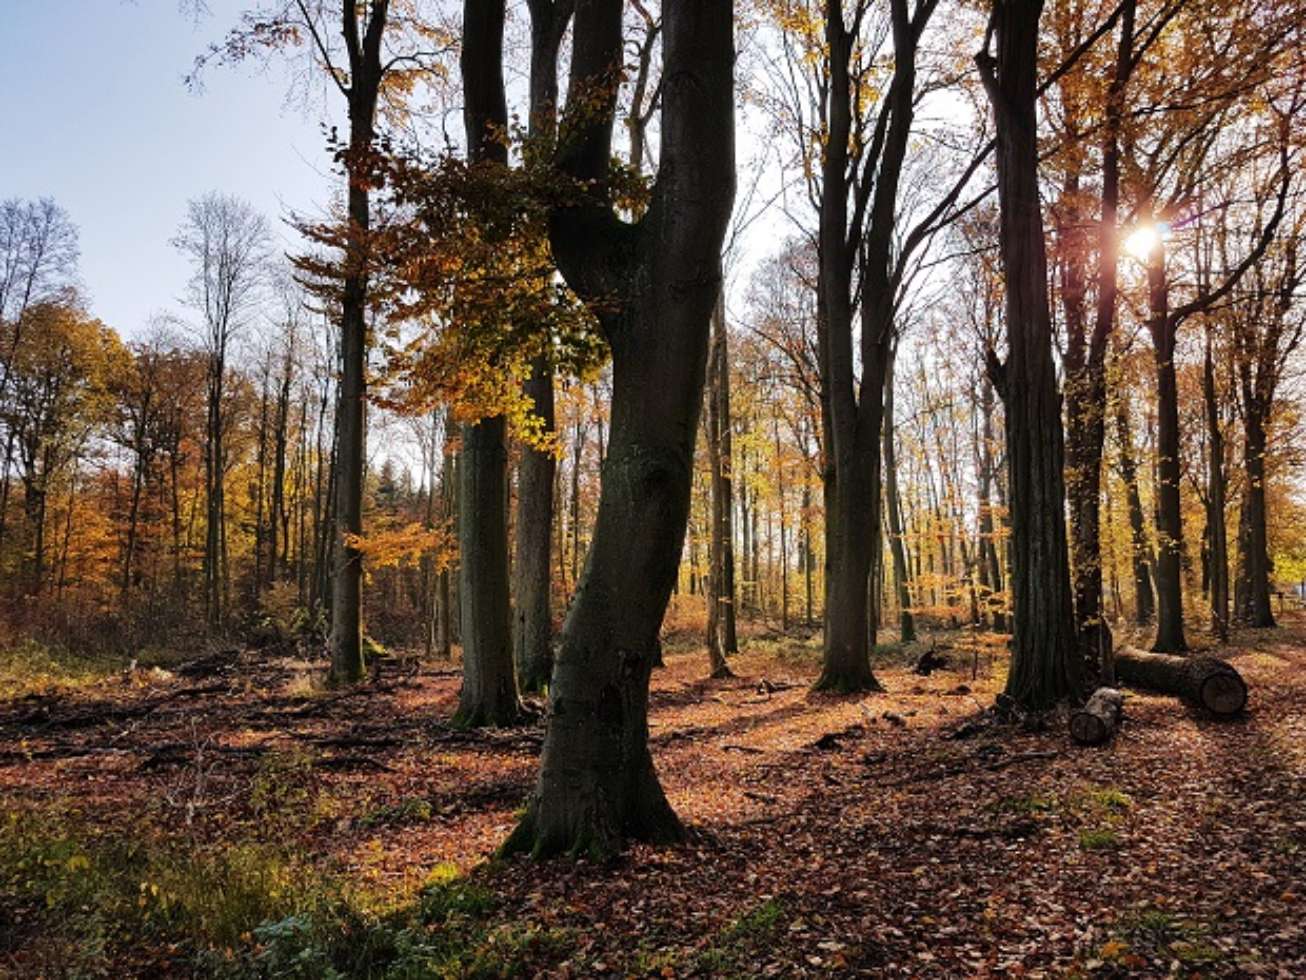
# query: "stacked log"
1204,681
1096,722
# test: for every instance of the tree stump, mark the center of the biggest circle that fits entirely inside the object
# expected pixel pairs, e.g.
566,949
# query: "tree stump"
1096,722
1204,681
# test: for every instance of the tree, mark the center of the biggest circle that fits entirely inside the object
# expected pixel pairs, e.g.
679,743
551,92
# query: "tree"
489,691
375,56
1086,347
864,144
60,394
227,243
1044,669
1267,328
38,263
533,636
652,284
721,628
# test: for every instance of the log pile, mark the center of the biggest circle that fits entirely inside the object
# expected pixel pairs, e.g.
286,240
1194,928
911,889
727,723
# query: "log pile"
1096,722
1204,681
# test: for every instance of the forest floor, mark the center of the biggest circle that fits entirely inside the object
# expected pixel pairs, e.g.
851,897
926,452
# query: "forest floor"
225,818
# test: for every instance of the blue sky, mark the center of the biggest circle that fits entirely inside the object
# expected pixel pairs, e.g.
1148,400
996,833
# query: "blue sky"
98,118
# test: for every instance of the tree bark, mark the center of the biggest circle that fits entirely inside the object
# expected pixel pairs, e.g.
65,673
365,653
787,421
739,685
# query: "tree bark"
1044,668
489,691
653,284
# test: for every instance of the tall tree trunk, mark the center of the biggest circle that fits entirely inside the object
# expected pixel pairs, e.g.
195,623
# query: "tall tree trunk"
855,409
990,561
444,605
1085,359
783,518
1044,665
655,286
1140,546
897,548
489,691
536,471
366,72
721,633
1253,542
279,532
133,514
1217,535
1169,512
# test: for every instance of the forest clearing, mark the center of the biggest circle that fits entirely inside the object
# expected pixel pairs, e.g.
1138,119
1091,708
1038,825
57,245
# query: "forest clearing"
827,835
653,488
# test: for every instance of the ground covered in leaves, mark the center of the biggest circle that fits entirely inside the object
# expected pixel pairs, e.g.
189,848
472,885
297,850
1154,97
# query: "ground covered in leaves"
223,817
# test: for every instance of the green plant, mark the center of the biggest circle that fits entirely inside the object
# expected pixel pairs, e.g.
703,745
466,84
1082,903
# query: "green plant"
1026,805
1098,839
409,810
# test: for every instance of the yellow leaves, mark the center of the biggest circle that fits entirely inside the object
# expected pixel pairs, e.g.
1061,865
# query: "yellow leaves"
406,544
1113,949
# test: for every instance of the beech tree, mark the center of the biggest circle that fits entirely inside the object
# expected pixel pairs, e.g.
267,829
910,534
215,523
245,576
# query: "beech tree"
489,691
1044,667
652,284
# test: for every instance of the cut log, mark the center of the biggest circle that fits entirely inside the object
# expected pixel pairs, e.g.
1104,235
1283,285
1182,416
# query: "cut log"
1096,722
1204,681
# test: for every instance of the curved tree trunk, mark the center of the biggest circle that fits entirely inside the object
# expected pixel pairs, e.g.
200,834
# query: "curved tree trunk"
654,284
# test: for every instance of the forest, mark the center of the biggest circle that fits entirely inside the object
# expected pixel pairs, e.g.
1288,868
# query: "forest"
721,488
